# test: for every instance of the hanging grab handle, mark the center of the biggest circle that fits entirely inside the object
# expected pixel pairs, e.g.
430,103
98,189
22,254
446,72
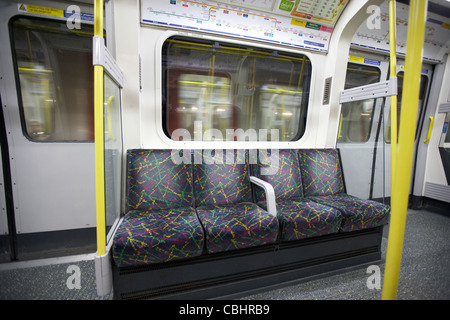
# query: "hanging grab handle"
430,128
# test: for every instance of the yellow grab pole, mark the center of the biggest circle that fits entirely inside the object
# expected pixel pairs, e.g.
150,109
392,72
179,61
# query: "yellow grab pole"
393,74
400,192
99,137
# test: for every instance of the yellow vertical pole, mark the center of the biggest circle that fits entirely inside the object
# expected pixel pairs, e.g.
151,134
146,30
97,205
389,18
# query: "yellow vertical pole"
393,74
99,137
400,192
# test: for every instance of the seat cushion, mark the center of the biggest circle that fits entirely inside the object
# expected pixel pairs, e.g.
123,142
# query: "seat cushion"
305,219
236,226
154,237
321,172
226,182
286,180
155,182
356,213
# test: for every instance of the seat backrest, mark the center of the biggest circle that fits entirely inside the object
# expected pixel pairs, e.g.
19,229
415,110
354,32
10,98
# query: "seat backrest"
321,172
221,177
286,179
155,182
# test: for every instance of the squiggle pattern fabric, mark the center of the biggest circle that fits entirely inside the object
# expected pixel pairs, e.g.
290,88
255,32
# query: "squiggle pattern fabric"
154,237
305,219
323,183
321,172
223,198
177,211
223,183
287,181
237,226
298,217
162,224
154,182
356,213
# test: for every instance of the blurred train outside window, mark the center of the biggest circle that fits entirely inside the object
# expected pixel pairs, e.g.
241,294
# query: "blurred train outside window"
356,117
225,86
55,79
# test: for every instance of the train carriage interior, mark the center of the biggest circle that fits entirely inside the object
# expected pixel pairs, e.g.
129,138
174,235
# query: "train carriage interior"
228,149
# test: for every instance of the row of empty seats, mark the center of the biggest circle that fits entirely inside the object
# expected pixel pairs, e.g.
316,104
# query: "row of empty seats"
180,211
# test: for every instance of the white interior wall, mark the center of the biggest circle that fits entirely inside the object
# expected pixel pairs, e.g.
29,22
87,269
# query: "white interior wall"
142,106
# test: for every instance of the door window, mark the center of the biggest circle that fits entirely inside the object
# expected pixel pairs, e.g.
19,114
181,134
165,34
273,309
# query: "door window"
422,92
55,79
356,117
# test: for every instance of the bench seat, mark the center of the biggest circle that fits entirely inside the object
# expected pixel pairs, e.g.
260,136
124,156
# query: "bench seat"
182,210
202,230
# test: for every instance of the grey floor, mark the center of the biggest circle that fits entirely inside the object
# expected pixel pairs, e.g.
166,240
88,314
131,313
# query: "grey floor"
50,279
425,272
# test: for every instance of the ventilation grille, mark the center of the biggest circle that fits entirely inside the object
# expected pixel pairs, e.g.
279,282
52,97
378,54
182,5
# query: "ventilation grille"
326,91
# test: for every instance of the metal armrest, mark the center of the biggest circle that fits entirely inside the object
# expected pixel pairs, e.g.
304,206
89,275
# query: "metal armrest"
270,194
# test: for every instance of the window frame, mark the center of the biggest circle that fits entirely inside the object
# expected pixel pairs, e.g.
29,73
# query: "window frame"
161,44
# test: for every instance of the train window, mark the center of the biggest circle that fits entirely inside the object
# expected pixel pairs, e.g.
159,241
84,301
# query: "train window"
422,92
212,87
55,79
356,117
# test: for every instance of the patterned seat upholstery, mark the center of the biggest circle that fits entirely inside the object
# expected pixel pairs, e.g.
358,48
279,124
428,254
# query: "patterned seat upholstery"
321,172
299,217
224,205
357,213
152,237
161,224
236,226
324,184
